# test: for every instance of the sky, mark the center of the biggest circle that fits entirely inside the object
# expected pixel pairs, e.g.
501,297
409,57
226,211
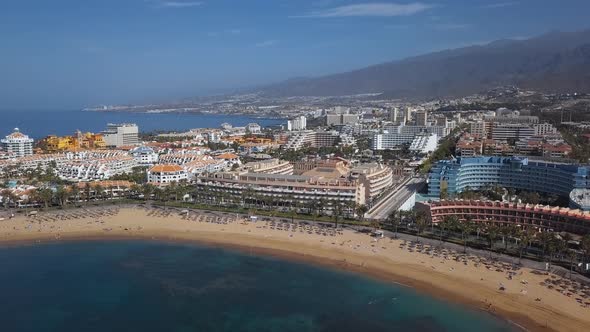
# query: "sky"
69,54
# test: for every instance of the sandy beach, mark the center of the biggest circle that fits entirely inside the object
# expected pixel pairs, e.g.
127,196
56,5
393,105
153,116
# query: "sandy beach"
529,299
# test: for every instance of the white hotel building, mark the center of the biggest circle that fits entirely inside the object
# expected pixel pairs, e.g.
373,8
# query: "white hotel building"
298,123
17,144
124,134
162,175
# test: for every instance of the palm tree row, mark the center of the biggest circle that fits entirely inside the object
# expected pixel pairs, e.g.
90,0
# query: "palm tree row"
553,246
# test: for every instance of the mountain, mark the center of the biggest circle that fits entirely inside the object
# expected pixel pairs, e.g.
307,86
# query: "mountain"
553,62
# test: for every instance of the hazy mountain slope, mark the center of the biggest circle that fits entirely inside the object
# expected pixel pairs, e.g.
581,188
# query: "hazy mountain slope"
557,61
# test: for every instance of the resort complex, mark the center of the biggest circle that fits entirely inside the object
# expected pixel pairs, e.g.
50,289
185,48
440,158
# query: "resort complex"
426,189
538,217
404,182
451,177
17,144
223,166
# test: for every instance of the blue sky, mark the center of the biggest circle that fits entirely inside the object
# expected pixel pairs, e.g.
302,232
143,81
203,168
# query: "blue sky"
73,53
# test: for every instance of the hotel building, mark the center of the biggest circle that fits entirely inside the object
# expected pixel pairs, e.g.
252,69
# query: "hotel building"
110,188
395,136
95,169
422,118
124,134
341,119
165,174
456,175
145,156
296,188
270,166
313,139
17,144
375,177
298,123
539,217
331,180
426,143
80,140
516,131
253,128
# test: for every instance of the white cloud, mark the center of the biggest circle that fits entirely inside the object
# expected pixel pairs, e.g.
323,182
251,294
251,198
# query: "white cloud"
178,4
266,43
372,9
500,5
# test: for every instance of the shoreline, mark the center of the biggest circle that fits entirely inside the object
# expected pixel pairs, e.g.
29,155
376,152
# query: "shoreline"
462,289
521,322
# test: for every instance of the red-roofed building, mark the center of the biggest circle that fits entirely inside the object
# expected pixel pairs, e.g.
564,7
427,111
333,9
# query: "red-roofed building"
561,150
165,174
538,217
229,158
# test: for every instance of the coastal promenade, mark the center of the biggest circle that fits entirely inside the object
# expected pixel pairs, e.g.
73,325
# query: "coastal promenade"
529,298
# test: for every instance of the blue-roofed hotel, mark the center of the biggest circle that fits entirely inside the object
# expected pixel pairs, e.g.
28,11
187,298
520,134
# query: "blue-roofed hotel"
458,174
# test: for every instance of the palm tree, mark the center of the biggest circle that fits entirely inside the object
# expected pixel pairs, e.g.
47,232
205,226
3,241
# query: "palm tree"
158,193
247,194
322,203
572,256
34,196
172,190
87,189
361,210
492,234
506,231
146,190
394,222
585,246
567,238
98,191
447,223
61,195
312,207
421,223
465,228
46,195
135,189
5,197
554,246
374,224
74,192
402,215
545,239
337,211
525,237
111,191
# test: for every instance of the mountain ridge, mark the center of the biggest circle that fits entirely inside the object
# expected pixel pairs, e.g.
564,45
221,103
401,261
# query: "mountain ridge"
552,62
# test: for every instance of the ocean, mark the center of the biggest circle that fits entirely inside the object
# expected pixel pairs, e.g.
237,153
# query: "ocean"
39,124
156,286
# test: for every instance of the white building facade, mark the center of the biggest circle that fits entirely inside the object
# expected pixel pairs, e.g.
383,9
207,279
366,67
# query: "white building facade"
166,174
298,123
123,134
17,144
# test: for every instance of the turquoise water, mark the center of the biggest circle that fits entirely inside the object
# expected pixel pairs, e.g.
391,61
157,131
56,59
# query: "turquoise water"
39,124
149,286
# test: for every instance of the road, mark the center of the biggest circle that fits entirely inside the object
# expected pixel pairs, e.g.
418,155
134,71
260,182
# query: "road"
396,198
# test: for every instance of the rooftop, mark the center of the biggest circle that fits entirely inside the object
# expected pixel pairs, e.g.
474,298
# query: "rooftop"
166,169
